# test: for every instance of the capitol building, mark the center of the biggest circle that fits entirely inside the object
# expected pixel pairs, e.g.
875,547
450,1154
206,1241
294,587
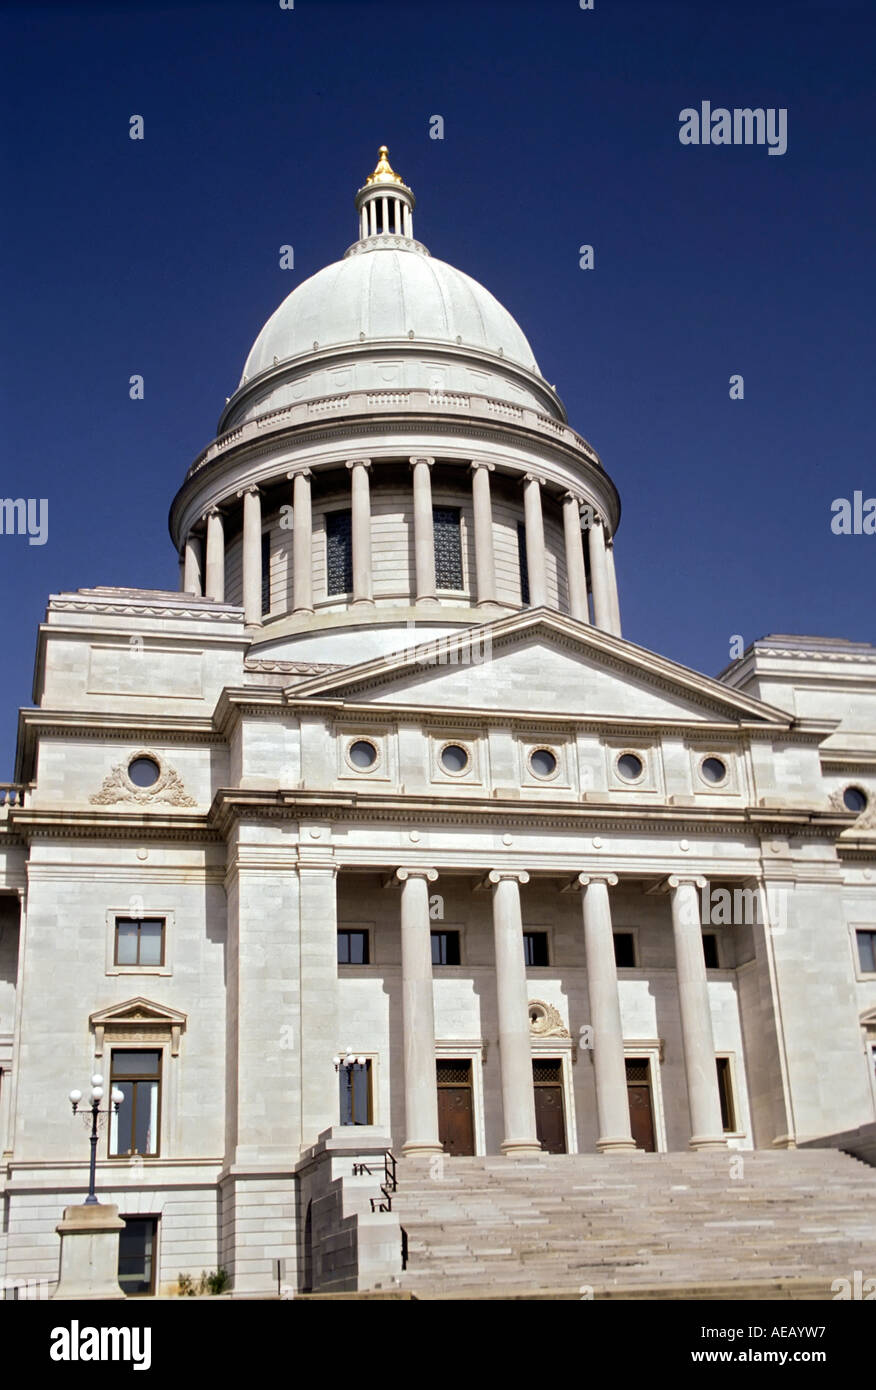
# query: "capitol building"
379,836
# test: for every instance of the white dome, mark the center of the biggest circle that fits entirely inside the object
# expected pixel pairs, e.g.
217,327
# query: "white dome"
388,292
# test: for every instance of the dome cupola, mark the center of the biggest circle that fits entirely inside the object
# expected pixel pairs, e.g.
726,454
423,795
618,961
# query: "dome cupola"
393,458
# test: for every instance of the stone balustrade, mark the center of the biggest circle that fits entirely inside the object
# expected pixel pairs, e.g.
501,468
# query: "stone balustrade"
416,401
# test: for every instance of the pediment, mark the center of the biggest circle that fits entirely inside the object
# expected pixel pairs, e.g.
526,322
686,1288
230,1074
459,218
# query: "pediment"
138,1010
137,1020
541,662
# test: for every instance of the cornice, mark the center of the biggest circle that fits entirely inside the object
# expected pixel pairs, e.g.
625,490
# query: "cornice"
404,808
208,611
64,824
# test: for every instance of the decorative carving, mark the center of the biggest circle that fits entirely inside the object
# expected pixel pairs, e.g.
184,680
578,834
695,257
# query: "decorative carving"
867,819
117,786
545,1021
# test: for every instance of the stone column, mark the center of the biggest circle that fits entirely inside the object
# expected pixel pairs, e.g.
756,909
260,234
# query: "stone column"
418,1014
424,531
192,578
602,615
302,543
696,1017
609,1067
612,587
363,591
575,571
485,559
534,523
215,587
252,556
515,1050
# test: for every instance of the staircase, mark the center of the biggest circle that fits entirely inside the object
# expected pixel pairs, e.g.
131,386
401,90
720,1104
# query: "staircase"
760,1224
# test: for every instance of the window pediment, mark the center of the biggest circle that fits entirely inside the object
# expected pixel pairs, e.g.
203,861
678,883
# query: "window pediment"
137,1020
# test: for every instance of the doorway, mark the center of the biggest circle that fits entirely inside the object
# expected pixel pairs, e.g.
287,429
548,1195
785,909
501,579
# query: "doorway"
641,1104
550,1112
455,1105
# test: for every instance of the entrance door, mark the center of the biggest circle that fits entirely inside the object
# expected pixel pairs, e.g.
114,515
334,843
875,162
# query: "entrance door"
550,1117
641,1109
455,1106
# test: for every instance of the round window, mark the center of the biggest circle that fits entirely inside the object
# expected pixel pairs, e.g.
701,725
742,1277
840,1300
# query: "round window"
144,772
362,754
630,767
454,758
854,800
713,770
542,762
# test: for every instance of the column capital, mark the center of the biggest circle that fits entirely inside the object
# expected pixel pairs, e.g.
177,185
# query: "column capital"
482,463
573,497
496,875
252,490
358,463
421,458
534,478
676,880
403,875
300,473
212,512
586,879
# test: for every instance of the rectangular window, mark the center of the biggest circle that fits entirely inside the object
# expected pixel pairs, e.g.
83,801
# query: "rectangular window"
339,552
266,573
535,947
139,941
134,1129
710,950
624,949
867,951
524,565
445,947
355,1094
353,948
137,1254
725,1091
448,547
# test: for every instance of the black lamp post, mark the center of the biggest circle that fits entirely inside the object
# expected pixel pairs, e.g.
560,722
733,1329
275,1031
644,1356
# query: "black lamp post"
97,1117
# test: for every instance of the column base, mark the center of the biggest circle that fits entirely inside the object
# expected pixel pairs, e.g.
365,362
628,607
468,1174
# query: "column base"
426,601
616,1146
521,1148
705,1141
303,609
415,1149
362,603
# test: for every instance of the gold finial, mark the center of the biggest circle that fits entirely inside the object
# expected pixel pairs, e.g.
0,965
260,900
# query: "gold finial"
384,172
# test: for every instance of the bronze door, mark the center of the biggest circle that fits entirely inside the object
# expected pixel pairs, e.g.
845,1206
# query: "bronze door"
550,1116
455,1106
641,1109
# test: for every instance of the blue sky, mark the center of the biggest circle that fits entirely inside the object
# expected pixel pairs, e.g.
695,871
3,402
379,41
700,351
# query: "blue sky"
161,257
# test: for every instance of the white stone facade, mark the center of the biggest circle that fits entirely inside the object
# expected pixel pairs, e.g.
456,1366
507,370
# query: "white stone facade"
262,837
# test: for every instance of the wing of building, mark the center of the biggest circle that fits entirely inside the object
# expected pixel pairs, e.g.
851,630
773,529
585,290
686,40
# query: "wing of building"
379,834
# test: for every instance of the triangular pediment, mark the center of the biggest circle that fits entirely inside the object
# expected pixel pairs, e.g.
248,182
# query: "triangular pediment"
138,1011
541,662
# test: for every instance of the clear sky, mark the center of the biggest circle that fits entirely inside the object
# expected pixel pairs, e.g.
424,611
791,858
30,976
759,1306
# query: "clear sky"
561,126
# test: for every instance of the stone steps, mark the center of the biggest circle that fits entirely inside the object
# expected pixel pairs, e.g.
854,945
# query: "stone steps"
564,1222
